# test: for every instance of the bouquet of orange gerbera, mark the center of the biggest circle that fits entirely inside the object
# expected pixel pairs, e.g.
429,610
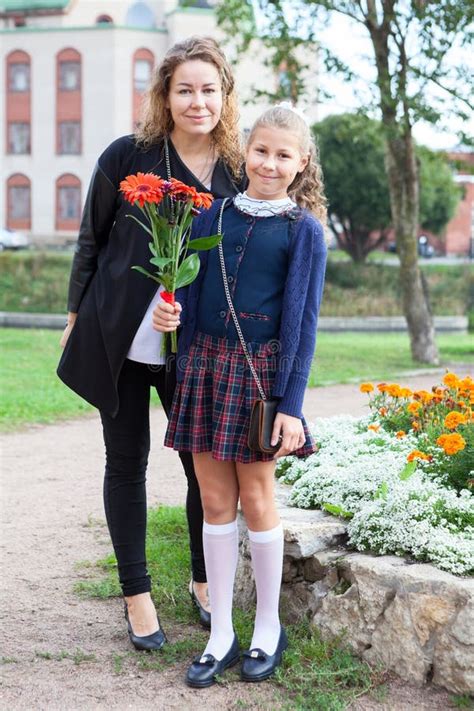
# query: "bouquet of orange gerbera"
169,207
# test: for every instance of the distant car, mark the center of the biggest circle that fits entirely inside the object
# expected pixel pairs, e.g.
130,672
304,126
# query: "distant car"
9,239
425,249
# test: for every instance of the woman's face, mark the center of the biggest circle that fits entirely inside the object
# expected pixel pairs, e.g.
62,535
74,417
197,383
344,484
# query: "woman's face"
195,97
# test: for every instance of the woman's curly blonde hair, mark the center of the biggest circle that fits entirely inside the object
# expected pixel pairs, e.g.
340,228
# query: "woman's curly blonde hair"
156,117
307,189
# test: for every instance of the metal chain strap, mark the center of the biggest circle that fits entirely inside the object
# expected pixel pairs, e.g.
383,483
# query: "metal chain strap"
167,160
231,306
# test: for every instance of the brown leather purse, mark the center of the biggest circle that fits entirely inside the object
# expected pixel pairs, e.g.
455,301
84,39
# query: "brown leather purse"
262,416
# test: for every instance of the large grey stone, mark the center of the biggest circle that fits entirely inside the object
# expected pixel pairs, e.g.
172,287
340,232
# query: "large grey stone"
413,619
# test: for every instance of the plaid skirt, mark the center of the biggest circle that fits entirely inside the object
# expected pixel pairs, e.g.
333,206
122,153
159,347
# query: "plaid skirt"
211,407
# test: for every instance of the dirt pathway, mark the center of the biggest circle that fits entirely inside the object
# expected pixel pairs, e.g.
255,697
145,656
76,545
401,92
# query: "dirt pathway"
63,652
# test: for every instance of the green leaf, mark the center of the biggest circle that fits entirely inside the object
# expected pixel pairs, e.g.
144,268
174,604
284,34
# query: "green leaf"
147,229
204,243
188,271
147,274
152,249
382,491
337,510
161,261
408,470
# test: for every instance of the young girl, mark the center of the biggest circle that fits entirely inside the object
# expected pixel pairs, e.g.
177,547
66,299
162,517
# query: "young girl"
274,255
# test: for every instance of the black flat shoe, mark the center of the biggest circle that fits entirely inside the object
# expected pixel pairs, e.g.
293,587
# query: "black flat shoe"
150,643
204,669
204,615
257,665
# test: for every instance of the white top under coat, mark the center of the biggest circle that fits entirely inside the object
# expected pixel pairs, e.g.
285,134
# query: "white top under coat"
146,345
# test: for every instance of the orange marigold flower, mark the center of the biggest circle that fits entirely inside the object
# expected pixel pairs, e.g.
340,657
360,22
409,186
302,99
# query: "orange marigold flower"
454,419
467,384
423,395
413,407
416,454
366,388
451,443
394,390
382,387
142,188
462,404
400,434
374,428
406,392
416,425
383,411
451,380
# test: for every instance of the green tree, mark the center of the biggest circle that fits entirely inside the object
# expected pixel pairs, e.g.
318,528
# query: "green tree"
411,45
352,155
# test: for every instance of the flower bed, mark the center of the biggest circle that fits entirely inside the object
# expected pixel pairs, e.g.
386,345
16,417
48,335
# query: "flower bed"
399,476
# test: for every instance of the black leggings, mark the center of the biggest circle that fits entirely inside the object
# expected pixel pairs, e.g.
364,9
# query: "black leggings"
127,444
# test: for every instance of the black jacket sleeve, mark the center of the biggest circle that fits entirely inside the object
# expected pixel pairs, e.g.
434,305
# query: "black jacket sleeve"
97,221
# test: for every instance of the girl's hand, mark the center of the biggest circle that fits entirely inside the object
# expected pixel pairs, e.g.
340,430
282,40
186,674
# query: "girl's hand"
291,431
166,316
71,320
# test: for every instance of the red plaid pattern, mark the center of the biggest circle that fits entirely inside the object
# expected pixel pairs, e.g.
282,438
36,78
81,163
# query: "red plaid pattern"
211,407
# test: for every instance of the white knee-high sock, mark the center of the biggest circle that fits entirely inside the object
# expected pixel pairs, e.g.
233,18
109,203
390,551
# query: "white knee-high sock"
266,548
221,546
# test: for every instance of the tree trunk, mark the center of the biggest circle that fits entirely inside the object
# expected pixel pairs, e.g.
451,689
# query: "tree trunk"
402,174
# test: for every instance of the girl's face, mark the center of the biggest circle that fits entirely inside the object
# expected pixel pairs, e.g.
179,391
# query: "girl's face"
273,160
195,97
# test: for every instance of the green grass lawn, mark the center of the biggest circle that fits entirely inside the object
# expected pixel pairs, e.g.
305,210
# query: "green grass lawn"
32,393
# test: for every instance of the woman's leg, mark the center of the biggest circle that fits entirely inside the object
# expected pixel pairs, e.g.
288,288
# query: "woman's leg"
219,495
127,444
256,482
165,387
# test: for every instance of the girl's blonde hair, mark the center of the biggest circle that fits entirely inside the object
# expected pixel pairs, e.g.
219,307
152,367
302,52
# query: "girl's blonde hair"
156,117
307,189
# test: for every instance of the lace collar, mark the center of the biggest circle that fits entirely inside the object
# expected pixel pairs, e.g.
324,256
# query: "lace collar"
263,208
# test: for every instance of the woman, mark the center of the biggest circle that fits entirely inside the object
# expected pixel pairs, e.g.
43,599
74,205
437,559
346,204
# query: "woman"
111,352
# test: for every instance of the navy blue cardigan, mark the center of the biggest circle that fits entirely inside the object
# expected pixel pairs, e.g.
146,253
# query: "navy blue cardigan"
301,302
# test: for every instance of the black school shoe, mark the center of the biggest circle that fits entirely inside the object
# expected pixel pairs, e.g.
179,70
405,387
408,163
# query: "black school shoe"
204,669
204,615
150,643
257,665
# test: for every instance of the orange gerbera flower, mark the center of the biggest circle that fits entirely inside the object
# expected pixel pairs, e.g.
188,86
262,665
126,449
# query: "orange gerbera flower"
413,407
400,434
366,388
142,188
203,200
454,419
374,428
416,454
451,443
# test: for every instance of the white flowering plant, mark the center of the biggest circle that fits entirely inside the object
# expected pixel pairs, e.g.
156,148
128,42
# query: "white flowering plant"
393,502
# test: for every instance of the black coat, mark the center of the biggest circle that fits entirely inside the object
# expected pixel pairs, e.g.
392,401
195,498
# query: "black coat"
109,297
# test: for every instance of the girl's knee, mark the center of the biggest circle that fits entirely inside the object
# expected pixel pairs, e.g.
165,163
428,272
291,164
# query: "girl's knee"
217,509
255,506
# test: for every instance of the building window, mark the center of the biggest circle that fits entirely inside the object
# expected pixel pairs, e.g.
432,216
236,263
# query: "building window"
69,76
19,138
69,137
141,74
18,77
18,202
69,202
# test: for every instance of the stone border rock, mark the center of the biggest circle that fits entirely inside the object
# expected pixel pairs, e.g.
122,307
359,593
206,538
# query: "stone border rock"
411,618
